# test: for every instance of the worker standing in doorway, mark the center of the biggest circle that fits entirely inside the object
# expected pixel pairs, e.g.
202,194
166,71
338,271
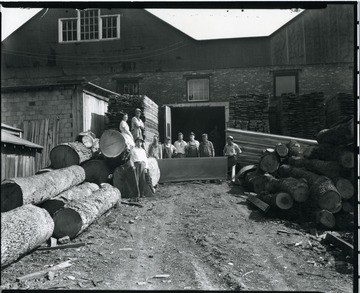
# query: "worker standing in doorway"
206,148
180,146
192,149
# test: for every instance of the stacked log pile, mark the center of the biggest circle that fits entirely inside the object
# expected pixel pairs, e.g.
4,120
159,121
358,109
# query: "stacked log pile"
313,183
249,112
338,107
120,104
303,115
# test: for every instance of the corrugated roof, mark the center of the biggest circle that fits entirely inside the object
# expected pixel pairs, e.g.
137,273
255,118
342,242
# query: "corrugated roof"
12,139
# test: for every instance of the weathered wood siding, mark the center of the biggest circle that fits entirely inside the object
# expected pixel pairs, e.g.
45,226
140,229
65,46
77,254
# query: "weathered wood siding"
17,161
94,118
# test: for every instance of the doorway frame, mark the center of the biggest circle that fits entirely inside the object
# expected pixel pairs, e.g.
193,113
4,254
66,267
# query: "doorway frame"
205,104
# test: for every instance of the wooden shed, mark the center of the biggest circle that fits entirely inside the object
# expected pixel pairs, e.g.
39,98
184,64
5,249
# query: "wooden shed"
17,155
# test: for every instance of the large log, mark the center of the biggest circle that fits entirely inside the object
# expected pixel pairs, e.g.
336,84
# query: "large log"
22,230
68,154
124,179
97,171
264,183
326,195
328,152
281,200
297,188
289,171
325,218
341,134
329,169
38,188
281,149
344,186
269,161
76,216
115,146
75,193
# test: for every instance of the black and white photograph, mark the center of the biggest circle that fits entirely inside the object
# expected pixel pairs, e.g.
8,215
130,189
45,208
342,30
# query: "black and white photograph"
180,146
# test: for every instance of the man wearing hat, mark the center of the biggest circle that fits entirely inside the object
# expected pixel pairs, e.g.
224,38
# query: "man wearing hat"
231,150
192,148
137,125
180,146
138,160
206,148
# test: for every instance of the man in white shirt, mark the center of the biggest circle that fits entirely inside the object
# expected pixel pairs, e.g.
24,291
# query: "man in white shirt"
139,161
180,146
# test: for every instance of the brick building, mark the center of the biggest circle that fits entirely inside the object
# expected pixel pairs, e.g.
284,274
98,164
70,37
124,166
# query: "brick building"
133,51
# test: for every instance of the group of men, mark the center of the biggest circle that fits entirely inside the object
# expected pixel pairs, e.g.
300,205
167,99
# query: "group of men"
180,149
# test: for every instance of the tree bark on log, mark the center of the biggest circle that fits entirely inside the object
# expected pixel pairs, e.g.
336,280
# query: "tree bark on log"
264,183
289,171
326,195
76,216
329,169
344,186
69,154
269,161
115,146
281,200
330,152
22,230
36,189
294,148
75,193
282,150
341,134
97,171
297,188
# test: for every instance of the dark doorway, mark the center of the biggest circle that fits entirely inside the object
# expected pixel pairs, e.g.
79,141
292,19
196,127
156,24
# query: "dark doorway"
210,120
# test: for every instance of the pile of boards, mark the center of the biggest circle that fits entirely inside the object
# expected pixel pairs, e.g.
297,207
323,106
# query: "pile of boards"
120,104
310,184
338,107
249,112
86,178
302,115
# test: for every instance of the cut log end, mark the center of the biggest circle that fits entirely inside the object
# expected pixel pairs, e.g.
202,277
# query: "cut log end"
284,201
269,162
52,206
11,196
330,201
345,188
326,218
282,150
67,223
301,194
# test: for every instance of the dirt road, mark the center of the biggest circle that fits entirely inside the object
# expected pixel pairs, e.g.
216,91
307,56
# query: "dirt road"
200,236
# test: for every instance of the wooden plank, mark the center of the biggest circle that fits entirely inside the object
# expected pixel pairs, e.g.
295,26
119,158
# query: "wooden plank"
64,246
346,247
42,273
258,203
45,152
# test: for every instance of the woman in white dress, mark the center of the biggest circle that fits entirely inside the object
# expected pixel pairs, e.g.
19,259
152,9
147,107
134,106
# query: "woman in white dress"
125,131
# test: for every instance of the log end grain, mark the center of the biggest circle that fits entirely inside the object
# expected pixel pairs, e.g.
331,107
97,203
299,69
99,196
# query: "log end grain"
326,218
112,143
269,162
11,196
67,223
97,171
63,156
345,188
284,201
330,201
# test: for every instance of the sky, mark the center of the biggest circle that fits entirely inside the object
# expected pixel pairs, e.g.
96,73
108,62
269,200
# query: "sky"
198,23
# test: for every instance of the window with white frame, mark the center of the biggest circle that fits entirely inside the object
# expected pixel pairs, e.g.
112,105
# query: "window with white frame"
198,89
89,25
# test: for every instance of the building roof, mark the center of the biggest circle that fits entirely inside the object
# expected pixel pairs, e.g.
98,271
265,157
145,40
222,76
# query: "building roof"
12,139
8,127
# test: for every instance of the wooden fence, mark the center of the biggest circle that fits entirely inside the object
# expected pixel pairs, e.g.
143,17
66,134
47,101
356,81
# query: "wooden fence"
45,133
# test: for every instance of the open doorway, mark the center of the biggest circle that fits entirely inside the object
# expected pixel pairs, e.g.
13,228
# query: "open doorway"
210,120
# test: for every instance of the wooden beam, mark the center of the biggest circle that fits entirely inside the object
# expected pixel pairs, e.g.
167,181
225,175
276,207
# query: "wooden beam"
64,246
258,203
346,247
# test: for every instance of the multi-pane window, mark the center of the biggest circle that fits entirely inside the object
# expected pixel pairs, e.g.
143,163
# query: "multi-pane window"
109,27
130,87
69,30
198,89
89,25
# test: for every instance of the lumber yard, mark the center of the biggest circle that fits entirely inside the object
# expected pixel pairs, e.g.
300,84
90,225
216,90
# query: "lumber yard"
137,157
